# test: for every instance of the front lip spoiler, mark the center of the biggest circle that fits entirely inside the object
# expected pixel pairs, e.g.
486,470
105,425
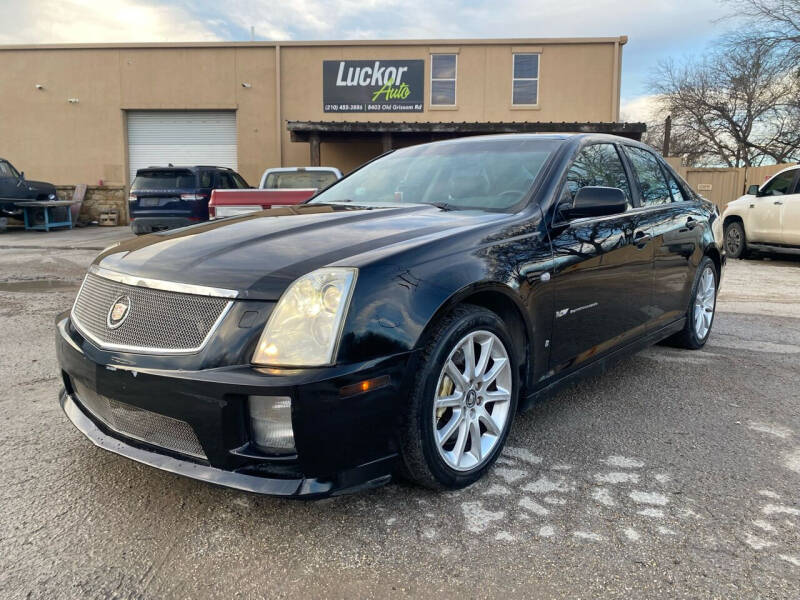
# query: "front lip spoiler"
296,488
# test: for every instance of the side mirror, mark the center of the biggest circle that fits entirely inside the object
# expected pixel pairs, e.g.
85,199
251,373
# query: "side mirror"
752,190
22,174
596,201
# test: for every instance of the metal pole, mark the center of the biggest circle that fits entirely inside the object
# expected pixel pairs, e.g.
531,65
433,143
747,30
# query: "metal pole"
667,134
314,142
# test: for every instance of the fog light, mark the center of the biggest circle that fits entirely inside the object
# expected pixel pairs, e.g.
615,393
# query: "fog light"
271,423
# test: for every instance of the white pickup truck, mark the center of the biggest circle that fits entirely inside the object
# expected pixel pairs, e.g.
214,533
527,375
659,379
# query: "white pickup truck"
767,218
284,186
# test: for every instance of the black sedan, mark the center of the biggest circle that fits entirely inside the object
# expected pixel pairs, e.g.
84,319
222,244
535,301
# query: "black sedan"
395,323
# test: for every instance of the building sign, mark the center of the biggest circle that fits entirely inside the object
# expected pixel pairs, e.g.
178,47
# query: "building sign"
373,85
704,187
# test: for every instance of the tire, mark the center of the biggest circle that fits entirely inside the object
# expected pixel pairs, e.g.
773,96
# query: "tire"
694,337
138,229
735,240
430,459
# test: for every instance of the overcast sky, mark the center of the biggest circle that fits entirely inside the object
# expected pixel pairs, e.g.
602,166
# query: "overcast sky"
656,28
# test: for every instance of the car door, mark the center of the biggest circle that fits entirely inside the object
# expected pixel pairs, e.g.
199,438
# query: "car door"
676,229
602,277
763,222
790,216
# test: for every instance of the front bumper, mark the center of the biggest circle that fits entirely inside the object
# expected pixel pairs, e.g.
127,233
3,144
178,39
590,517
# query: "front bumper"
344,444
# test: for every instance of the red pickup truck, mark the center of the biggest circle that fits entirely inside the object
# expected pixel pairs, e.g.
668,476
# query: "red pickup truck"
278,187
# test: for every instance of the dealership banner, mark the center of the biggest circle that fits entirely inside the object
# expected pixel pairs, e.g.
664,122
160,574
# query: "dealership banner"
373,85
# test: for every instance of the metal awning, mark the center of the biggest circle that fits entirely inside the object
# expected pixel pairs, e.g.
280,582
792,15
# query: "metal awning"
302,130
316,132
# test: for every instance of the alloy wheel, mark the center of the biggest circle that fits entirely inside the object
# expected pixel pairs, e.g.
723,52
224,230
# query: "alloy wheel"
733,240
704,302
473,399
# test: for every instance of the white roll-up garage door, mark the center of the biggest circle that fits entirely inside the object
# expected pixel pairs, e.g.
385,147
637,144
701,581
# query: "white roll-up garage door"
183,138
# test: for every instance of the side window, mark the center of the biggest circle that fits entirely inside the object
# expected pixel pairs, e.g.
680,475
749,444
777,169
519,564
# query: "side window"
597,165
675,189
5,171
239,181
651,178
779,185
225,181
206,179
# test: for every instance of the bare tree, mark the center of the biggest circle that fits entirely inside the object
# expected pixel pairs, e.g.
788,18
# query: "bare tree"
774,21
694,150
737,106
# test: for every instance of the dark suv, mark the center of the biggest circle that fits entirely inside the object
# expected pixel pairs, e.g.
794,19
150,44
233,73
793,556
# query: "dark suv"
169,197
14,187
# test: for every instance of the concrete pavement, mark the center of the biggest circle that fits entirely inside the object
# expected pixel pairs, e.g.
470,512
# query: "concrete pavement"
677,474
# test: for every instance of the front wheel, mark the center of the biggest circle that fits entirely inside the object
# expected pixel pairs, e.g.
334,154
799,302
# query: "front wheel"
735,240
463,401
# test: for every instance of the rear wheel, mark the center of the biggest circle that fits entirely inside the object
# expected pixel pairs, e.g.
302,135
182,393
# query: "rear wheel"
703,306
735,240
463,402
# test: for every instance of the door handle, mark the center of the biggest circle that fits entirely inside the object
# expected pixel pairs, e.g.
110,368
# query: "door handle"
778,202
641,239
691,223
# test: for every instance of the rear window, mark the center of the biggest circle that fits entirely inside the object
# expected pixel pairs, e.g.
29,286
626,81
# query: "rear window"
300,179
171,179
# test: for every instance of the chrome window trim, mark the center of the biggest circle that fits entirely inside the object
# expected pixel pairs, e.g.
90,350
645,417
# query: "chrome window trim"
159,284
173,287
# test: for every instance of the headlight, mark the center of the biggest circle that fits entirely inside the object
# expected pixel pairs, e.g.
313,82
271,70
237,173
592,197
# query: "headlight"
304,328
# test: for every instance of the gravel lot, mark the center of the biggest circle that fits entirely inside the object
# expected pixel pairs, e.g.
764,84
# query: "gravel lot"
677,474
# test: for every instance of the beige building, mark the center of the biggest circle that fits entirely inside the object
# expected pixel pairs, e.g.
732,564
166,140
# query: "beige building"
85,113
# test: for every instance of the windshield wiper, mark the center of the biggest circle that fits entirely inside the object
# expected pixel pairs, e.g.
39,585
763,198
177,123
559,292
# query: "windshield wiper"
441,205
347,201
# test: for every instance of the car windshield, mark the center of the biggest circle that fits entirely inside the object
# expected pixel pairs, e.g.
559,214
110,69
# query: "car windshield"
492,175
7,169
300,179
168,179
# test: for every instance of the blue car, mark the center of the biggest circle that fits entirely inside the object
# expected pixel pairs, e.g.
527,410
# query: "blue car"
168,197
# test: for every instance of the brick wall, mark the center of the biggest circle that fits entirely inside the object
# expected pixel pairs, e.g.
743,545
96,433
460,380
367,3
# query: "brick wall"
98,199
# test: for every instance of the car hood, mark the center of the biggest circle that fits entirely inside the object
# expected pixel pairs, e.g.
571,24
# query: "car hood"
39,186
739,202
259,255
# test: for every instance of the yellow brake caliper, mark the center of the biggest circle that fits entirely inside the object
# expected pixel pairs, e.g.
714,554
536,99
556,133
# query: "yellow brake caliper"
445,390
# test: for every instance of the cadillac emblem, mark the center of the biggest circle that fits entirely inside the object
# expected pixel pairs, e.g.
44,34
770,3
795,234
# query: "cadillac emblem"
118,312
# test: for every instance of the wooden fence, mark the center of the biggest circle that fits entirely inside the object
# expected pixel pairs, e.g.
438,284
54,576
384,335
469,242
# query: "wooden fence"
722,185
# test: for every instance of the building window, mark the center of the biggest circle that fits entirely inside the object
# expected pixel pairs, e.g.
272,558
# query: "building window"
443,79
525,90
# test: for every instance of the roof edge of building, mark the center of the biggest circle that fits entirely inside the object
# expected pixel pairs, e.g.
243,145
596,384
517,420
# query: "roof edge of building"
300,43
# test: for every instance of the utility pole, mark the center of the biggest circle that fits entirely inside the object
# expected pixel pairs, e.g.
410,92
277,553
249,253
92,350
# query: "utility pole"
667,134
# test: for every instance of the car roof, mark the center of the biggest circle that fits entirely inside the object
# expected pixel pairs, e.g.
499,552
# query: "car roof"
301,169
183,168
575,139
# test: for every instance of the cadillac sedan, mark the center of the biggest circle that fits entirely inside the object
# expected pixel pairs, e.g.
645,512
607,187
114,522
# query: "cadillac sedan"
395,323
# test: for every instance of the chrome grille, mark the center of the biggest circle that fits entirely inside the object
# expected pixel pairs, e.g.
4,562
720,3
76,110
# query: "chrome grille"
159,321
140,424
